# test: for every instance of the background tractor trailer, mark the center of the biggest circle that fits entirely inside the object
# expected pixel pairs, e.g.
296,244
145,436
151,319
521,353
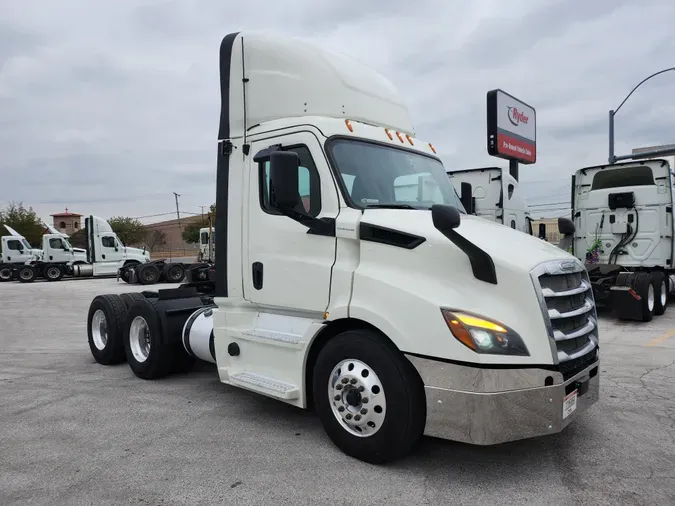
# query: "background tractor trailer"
494,194
391,317
104,255
623,217
15,250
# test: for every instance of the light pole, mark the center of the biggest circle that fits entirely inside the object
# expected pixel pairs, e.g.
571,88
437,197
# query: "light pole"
612,113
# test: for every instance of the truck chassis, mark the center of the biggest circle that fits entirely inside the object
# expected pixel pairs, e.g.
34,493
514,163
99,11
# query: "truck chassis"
161,271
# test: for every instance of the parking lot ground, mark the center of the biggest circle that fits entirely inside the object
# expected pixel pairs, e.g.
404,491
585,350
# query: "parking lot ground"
73,432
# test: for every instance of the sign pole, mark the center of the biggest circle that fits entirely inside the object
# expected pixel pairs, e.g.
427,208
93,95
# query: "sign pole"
513,169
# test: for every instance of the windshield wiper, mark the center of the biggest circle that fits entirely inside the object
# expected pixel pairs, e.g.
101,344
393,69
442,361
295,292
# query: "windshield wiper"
390,206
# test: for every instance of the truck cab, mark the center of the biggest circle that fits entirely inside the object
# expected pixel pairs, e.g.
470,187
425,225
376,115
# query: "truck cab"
350,278
207,240
493,194
106,251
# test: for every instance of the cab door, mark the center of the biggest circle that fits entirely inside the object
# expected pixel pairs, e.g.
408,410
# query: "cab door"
284,265
110,255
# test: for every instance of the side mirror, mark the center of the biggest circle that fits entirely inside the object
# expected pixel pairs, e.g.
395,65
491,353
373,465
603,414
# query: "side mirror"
566,226
542,231
468,201
285,197
445,218
284,180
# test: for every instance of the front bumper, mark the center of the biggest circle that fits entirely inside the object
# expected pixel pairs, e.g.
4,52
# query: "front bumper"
485,406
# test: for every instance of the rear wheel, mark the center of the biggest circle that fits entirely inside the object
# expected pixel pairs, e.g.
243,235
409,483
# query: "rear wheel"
6,273
174,273
53,272
147,355
370,400
147,274
660,284
644,287
27,274
130,298
104,329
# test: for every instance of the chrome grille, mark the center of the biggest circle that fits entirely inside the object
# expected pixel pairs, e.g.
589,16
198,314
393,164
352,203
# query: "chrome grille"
566,299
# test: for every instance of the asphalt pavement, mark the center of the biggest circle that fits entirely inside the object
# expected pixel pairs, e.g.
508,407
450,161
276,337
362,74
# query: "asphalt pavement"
73,432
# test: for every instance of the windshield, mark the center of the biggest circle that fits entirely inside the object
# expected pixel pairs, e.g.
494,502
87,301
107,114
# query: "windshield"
383,176
66,243
26,244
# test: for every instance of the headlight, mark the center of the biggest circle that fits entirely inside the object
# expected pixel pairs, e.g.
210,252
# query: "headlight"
483,335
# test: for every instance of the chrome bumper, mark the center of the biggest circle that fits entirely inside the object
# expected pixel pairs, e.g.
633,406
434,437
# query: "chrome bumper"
489,406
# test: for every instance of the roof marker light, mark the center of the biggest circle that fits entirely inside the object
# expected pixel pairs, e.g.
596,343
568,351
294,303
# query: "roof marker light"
409,139
391,137
399,136
432,147
349,125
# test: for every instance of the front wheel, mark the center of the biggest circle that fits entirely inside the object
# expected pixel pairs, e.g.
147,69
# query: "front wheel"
53,272
369,398
27,274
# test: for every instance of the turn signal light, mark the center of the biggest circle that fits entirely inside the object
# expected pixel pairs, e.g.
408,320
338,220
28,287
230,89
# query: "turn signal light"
349,125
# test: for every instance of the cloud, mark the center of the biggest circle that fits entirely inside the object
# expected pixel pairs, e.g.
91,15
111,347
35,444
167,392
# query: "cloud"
110,108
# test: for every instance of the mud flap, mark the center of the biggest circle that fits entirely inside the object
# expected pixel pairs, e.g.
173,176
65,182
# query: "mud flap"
625,303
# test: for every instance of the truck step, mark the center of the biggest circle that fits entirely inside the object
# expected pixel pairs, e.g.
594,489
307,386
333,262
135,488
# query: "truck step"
263,384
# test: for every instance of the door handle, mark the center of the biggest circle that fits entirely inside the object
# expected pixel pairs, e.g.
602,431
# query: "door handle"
103,257
257,272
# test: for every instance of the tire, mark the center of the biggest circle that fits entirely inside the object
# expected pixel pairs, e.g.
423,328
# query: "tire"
392,379
660,284
642,284
26,274
147,274
147,356
623,279
105,323
6,274
52,272
130,298
174,273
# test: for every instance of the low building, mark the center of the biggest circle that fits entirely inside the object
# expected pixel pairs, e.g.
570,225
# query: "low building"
67,222
173,245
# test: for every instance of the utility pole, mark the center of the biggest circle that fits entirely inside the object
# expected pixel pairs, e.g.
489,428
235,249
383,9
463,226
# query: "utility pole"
180,229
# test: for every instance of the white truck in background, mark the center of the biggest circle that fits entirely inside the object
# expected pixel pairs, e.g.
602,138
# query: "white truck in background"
207,241
103,256
494,194
623,217
15,250
391,315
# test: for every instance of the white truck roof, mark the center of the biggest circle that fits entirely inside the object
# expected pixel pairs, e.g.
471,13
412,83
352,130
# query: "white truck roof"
286,77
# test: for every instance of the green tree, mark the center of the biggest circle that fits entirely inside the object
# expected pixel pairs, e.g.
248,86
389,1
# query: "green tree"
191,232
129,230
25,221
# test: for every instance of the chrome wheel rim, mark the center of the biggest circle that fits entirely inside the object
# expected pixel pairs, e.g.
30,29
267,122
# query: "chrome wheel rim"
53,272
664,294
139,339
357,397
99,329
650,297
26,274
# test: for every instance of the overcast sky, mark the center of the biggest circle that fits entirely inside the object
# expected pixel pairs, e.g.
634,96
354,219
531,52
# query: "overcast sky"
110,107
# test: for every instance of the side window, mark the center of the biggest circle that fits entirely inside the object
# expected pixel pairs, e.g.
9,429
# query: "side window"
56,243
14,245
309,187
205,238
108,242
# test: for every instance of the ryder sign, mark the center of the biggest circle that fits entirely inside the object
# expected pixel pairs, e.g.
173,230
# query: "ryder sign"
511,128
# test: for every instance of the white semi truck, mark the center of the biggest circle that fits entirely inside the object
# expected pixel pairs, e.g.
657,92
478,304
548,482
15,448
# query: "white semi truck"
207,240
623,216
494,194
103,256
15,250
391,317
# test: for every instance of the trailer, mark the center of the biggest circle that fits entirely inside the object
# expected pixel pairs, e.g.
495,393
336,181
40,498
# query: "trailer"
103,255
391,315
623,216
